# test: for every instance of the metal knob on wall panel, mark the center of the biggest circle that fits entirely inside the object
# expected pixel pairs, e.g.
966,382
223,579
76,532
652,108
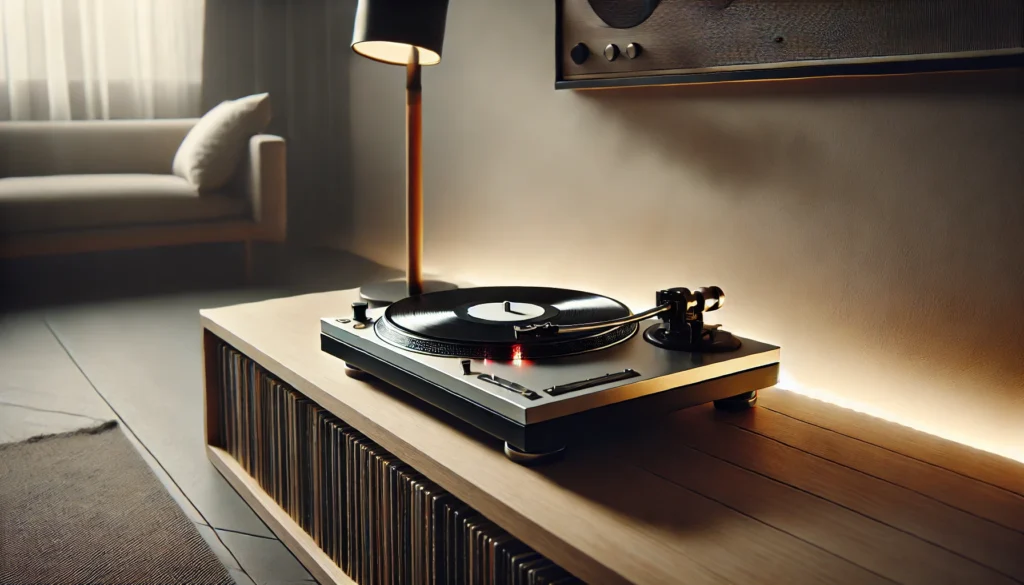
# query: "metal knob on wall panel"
579,53
611,52
633,50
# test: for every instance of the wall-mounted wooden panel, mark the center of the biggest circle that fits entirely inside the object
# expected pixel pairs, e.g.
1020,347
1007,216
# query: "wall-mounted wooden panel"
686,41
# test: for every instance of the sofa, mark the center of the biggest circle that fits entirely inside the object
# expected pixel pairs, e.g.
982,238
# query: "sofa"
69,187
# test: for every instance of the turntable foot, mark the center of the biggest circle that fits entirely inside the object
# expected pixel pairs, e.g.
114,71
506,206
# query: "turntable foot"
354,372
524,458
738,403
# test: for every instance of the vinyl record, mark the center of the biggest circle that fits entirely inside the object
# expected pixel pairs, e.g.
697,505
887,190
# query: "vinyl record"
480,322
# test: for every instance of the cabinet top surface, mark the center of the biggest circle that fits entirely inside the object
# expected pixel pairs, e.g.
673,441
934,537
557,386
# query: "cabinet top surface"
795,490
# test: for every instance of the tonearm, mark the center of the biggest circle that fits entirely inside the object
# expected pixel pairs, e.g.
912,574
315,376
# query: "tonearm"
682,322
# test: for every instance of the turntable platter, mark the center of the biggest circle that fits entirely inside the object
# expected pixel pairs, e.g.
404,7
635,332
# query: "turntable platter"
478,322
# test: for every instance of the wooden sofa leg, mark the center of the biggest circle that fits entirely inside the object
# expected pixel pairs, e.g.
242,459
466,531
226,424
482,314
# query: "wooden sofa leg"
248,261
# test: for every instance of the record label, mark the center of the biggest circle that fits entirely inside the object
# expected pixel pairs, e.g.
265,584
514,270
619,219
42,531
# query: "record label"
506,312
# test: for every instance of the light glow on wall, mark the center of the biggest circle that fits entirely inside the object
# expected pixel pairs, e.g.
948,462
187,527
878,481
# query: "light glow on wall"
789,383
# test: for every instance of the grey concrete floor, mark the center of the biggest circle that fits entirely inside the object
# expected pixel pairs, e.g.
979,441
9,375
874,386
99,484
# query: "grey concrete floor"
117,336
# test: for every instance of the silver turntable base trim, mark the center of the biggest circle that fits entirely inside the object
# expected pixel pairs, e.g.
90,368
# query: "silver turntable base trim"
659,370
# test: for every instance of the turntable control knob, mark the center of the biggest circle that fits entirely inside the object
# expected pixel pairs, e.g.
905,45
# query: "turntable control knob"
359,311
466,364
579,53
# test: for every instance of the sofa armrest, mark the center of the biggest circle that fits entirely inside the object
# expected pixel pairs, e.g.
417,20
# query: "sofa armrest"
266,185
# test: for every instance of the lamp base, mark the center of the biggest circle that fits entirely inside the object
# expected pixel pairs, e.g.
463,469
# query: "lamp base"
385,293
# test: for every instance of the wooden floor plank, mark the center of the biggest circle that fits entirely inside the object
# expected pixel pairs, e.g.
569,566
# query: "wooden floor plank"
981,499
982,541
980,465
872,545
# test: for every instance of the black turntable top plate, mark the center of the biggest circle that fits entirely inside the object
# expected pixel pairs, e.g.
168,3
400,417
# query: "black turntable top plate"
479,322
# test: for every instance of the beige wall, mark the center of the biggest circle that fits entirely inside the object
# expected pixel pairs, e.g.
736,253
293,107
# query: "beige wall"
875,230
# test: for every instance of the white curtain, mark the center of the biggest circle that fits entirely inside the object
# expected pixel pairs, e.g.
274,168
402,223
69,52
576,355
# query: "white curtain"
100,59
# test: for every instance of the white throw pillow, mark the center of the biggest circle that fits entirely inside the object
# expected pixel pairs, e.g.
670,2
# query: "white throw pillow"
213,148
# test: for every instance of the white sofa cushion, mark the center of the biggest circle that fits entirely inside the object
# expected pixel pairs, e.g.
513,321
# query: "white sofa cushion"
212,150
72,202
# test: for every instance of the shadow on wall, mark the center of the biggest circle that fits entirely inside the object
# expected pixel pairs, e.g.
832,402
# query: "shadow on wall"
746,152
901,204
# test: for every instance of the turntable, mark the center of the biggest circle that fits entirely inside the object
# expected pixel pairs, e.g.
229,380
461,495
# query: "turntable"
541,368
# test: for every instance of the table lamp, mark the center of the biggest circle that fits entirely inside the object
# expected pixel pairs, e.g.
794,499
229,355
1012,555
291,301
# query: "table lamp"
408,33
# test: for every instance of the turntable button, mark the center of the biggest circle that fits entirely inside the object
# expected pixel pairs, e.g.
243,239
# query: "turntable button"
359,311
466,364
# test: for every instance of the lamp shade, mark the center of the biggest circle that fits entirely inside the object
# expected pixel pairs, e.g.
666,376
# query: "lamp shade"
388,30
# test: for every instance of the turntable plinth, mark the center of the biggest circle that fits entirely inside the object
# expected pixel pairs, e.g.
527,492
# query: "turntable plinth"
794,491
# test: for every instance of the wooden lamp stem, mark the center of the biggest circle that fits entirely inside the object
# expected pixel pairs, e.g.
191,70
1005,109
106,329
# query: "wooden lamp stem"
414,175
413,284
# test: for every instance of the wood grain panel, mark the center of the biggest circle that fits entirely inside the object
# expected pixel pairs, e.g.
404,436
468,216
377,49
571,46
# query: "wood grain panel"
981,499
982,541
688,524
688,36
973,463
848,534
211,390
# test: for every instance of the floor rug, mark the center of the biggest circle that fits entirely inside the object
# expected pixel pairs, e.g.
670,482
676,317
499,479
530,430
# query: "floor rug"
84,507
